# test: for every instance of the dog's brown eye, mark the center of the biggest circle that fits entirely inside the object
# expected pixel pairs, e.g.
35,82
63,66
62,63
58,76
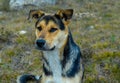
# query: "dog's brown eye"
53,29
39,28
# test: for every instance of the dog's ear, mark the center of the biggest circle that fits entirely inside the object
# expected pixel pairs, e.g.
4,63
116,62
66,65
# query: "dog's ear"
65,15
35,14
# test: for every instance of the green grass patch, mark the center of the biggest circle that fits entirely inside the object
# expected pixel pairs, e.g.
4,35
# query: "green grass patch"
101,45
105,55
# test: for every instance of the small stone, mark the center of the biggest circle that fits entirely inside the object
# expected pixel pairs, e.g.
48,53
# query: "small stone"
91,27
19,4
1,13
22,32
28,52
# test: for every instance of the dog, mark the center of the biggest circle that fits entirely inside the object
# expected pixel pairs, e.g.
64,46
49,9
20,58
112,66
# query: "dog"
62,59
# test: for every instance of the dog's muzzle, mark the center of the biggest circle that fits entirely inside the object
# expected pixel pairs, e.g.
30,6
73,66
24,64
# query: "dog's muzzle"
41,45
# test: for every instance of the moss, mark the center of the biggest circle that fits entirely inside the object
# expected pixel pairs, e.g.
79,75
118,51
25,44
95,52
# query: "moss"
89,68
102,80
108,15
115,69
35,65
8,76
90,79
101,45
21,39
107,25
105,55
95,79
5,34
10,53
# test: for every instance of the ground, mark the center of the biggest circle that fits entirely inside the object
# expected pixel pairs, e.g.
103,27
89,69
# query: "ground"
95,27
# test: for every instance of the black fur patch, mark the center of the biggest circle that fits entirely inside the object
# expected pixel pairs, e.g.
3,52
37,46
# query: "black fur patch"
75,67
71,49
47,73
44,68
27,77
56,20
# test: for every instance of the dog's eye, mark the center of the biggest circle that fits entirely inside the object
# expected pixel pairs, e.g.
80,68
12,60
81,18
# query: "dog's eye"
39,28
53,29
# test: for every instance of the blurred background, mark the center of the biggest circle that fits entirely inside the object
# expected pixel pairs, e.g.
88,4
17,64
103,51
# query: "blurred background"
95,27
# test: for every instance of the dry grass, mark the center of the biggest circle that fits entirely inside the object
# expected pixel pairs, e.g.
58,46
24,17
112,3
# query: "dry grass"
95,27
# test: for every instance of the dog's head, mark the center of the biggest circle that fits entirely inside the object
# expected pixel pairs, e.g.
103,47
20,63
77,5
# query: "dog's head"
51,30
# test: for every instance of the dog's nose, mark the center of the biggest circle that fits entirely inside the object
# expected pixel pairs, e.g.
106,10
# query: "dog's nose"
40,43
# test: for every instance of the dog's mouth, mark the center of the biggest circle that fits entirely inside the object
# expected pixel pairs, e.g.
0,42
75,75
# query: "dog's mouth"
41,44
44,48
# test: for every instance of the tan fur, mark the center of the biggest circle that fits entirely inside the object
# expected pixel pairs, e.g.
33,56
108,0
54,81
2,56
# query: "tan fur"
35,12
58,37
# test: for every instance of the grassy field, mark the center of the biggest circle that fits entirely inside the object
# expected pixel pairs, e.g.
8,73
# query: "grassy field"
95,27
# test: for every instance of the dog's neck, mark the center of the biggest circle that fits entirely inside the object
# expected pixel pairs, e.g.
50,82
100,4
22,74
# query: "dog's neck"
54,62
68,66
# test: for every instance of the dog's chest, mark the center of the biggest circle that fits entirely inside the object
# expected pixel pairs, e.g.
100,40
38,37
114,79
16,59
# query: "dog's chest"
54,64
50,79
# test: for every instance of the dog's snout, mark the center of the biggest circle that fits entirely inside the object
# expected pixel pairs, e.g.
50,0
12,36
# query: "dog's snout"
40,43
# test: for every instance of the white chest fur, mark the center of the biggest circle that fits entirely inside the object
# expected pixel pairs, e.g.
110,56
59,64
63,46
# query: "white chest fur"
54,63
